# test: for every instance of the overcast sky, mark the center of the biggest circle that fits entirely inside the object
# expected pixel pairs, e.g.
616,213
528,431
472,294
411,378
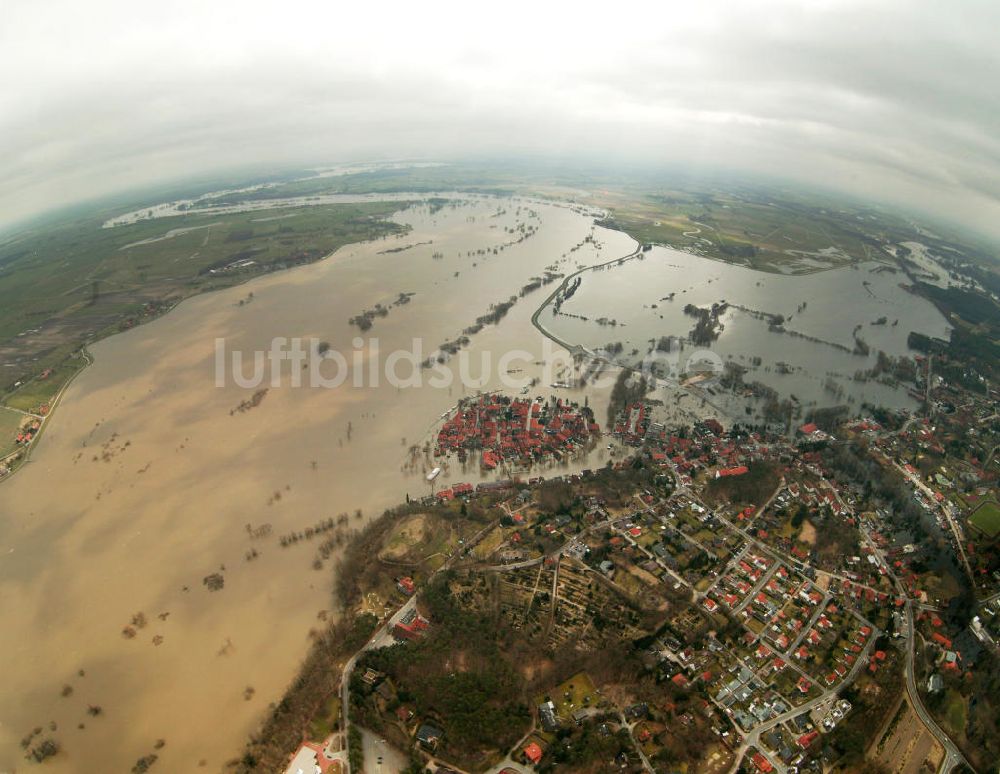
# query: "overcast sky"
895,101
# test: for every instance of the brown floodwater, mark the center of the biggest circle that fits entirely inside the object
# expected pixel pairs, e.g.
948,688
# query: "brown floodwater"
144,484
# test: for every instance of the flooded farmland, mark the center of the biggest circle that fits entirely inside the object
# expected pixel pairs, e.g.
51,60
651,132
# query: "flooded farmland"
149,488
143,587
812,351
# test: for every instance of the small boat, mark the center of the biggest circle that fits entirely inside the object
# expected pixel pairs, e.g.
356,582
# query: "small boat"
433,474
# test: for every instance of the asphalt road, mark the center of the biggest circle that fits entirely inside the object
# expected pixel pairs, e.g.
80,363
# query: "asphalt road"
380,756
953,756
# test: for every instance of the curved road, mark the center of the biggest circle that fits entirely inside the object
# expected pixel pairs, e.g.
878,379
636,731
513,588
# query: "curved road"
953,756
562,285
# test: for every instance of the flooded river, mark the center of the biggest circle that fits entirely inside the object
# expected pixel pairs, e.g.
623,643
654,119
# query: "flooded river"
148,480
812,357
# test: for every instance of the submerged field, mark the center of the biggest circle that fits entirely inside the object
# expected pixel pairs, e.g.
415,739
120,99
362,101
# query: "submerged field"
161,551
817,337
761,231
768,229
63,286
148,567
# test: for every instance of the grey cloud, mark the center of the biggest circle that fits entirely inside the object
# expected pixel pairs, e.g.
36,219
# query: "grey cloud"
890,100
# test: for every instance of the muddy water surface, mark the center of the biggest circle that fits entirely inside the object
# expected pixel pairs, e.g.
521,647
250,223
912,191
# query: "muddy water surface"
145,483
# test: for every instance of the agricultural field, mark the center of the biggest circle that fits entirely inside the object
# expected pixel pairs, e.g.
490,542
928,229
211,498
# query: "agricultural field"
10,421
37,393
66,285
781,232
784,236
905,746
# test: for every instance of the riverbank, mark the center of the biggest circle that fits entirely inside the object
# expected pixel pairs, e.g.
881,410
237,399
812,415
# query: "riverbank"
21,457
161,495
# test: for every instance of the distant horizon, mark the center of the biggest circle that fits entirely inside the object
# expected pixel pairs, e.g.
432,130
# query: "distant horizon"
672,175
372,374
893,101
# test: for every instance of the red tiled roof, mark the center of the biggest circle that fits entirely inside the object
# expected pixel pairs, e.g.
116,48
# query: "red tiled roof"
533,752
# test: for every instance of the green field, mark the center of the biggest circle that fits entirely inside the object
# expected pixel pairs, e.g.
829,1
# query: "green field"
38,391
10,421
986,518
955,712
75,282
764,232
326,720
569,697
734,222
